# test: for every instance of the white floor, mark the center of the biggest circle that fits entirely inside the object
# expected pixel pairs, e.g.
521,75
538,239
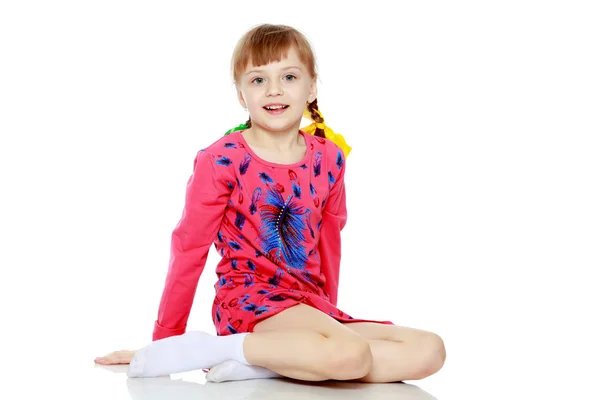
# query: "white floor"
193,386
58,368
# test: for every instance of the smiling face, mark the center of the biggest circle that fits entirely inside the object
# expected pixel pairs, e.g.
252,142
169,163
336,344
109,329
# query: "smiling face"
276,94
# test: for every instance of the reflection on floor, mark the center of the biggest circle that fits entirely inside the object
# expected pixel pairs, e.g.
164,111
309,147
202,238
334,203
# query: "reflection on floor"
193,385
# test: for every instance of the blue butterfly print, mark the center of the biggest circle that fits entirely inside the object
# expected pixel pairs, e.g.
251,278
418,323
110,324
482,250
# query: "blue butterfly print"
303,166
261,310
275,280
340,160
231,329
235,245
239,220
282,226
308,213
307,276
295,187
255,197
264,177
223,282
262,291
218,315
244,164
234,264
251,265
331,178
220,236
244,298
229,145
277,297
297,190
248,280
230,185
317,164
224,161
249,307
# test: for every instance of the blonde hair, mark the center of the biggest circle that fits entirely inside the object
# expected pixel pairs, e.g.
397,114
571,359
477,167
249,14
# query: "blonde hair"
268,43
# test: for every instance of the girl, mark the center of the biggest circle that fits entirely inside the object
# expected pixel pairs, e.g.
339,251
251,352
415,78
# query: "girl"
272,199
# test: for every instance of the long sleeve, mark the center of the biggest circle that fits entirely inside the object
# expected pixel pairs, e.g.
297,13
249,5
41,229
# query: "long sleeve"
205,203
330,245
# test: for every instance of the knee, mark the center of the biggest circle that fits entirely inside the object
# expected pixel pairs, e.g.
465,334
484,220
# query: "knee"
349,359
434,355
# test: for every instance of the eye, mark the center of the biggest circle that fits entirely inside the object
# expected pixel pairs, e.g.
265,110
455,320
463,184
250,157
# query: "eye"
255,79
289,80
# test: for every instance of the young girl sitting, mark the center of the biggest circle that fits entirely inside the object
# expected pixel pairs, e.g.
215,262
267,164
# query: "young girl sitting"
271,198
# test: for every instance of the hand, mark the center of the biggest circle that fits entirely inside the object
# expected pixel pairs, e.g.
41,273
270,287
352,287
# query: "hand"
116,357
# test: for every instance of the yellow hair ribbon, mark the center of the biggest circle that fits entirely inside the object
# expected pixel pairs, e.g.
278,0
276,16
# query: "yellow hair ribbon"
329,133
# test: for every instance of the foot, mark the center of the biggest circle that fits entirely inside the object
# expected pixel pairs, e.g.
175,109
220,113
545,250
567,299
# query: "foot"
191,351
234,371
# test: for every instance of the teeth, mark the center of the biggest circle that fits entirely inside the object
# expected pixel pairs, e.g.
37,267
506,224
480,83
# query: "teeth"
275,107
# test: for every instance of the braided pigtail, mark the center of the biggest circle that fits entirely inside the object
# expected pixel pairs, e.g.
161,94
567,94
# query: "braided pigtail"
316,116
318,127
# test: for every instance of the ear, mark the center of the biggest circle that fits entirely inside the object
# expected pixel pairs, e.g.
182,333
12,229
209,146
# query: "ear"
241,98
312,93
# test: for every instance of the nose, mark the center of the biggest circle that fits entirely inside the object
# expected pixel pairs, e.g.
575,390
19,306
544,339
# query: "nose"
274,88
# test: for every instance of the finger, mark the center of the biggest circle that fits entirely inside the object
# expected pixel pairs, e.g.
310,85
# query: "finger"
106,359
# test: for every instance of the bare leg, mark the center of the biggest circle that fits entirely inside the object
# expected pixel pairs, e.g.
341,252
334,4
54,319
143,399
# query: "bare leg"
304,343
397,353
328,351
400,353
393,361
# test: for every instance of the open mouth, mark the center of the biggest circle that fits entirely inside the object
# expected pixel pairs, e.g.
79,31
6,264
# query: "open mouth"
276,109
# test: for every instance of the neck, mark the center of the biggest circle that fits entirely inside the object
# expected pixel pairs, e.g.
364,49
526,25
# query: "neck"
280,141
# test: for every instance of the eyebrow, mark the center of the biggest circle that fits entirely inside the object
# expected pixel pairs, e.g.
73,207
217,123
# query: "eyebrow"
283,69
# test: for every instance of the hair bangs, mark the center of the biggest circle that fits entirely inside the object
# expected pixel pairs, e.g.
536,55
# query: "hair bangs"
270,43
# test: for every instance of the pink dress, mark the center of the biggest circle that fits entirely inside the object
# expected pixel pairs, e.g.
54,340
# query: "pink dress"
277,228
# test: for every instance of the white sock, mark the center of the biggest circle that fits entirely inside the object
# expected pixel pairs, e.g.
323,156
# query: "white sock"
190,351
233,370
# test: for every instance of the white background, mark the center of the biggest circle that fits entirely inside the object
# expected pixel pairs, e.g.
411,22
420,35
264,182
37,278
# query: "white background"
473,185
